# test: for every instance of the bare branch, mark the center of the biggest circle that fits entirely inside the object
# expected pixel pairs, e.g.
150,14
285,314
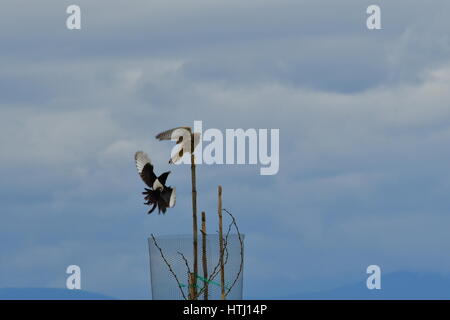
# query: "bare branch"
169,266
241,241
185,262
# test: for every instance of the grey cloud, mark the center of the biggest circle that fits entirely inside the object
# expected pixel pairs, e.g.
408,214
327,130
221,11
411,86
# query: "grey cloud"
363,119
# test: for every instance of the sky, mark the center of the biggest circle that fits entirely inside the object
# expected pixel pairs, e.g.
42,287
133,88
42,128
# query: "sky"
364,122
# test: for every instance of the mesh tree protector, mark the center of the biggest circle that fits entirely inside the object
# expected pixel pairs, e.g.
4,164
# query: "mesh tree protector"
171,263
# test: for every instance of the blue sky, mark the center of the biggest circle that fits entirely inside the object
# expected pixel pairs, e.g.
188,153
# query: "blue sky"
364,123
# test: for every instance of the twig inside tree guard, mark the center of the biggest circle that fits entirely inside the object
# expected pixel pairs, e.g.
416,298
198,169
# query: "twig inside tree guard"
169,266
185,262
242,251
225,241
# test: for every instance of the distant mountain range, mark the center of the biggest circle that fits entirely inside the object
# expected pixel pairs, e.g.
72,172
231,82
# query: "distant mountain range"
394,286
49,294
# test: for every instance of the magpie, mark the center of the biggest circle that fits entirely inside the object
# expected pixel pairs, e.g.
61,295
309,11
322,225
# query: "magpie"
183,137
159,195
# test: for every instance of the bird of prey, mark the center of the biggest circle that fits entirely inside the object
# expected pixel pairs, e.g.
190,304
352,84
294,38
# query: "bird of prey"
159,195
182,135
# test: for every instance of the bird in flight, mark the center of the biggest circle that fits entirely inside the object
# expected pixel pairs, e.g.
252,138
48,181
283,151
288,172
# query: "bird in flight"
182,136
159,195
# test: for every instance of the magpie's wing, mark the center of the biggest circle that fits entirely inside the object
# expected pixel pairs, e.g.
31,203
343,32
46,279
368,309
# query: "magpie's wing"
168,195
173,198
174,134
145,168
163,178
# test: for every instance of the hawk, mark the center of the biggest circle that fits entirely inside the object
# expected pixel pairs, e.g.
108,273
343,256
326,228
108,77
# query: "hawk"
182,135
159,195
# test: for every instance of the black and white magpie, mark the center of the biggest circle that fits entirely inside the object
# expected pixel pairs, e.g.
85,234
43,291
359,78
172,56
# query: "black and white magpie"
159,195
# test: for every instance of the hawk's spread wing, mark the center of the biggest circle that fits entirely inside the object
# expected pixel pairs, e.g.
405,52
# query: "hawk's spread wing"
185,147
145,168
174,134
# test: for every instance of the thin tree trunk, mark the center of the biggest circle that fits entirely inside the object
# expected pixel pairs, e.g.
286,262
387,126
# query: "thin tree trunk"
222,268
204,257
194,217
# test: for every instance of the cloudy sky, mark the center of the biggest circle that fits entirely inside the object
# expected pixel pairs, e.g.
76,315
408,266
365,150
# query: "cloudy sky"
364,119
